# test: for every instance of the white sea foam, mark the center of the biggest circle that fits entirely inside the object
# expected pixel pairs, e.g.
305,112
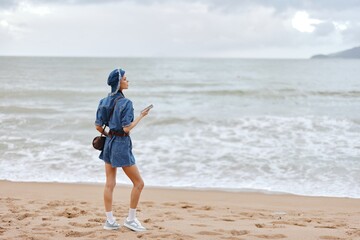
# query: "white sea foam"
294,155
309,156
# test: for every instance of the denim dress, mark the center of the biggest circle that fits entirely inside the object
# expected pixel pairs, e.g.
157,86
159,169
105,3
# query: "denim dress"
117,150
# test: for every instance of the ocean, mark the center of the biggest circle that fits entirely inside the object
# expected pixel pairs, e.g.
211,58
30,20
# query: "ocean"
289,126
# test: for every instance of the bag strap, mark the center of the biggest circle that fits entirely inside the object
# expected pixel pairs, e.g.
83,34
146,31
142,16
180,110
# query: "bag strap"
103,130
112,111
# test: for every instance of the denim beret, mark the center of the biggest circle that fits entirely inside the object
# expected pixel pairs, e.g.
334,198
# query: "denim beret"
114,79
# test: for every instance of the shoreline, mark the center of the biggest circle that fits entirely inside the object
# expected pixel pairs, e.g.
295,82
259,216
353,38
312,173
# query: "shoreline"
230,190
31,210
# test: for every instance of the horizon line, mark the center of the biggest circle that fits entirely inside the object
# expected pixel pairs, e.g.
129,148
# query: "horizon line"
159,57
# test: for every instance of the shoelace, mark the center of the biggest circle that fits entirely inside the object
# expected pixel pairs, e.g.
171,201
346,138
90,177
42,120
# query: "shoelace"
138,222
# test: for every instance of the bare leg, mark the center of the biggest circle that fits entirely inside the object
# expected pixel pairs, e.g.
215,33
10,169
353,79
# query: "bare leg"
109,186
138,184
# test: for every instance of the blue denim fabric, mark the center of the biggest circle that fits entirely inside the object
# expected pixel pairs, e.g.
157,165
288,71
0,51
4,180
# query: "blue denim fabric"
118,150
123,115
104,109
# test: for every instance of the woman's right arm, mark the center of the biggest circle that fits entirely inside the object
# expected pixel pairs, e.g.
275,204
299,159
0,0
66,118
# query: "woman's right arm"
101,130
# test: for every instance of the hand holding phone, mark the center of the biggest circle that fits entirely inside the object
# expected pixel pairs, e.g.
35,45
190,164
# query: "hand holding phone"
147,108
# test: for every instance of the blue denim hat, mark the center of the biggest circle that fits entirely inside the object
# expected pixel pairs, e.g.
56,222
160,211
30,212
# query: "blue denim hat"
114,79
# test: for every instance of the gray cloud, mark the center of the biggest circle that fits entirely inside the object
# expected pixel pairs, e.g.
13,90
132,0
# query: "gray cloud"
8,4
324,29
352,33
11,4
278,5
322,9
281,5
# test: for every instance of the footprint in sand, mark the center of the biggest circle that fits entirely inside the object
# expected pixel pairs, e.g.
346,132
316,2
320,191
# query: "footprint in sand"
206,208
56,203
326,226
173,236
208,233
71,212
239,233
25,236
159,227
25,215
330,238
172,216
169,204
273,236
288,223
46,219
15,209
99,214
148,220
251,215
78,234
148,203
9,199
98,220
226,220
187,206
84,225
258,225
111,237
43,229
198,225
232,238
163,236
203,216
53,204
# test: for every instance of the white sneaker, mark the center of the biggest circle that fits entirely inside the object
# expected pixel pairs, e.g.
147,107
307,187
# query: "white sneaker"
109,226
134,225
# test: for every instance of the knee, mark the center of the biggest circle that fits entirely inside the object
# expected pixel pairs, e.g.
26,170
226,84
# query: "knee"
110,185
139,185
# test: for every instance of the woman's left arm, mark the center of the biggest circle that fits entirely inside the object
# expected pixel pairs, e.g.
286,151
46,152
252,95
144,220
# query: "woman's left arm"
128,128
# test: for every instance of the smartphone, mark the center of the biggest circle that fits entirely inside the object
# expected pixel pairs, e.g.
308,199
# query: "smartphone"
147,108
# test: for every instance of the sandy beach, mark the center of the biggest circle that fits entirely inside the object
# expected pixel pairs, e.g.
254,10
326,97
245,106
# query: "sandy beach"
67,211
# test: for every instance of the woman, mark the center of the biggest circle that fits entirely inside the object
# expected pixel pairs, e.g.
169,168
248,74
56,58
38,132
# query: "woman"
117,112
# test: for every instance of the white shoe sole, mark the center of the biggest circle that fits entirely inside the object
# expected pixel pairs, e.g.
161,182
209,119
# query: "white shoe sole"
111,228
133,228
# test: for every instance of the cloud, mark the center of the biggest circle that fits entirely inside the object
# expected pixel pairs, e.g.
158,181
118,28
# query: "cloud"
325,28
185,28
303,23
352,33
278,5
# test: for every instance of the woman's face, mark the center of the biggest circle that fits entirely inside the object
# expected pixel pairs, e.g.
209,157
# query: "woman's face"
124,84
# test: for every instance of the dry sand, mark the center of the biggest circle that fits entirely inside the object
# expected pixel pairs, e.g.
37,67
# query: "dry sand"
69,211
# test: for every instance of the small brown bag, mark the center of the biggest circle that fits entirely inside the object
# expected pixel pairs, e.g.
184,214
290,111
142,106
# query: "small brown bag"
99,141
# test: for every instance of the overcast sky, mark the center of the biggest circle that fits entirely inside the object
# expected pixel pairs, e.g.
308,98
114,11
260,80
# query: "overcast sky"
178,28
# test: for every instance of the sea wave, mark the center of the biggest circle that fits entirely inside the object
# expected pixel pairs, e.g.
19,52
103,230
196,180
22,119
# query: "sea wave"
288,154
